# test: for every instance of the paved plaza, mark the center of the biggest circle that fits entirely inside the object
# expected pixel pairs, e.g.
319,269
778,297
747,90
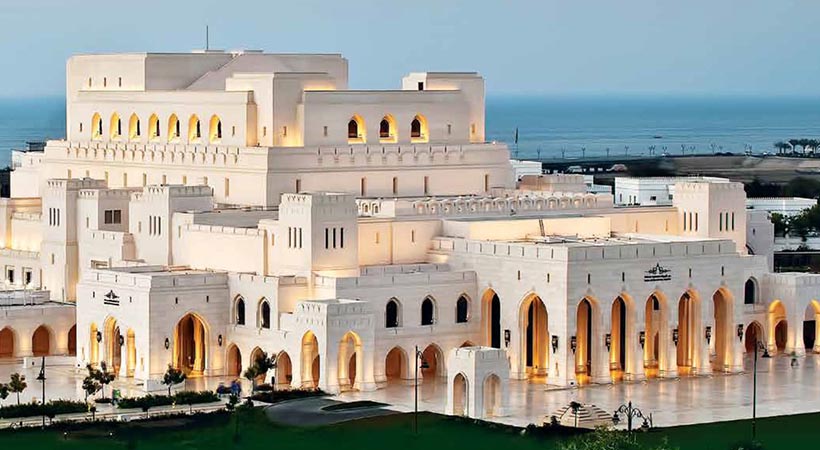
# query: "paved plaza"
781,390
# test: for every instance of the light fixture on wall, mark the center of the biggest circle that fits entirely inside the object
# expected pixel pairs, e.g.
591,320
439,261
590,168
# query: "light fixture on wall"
167,343
708,334
740,331
121,340
642,338
554,343
219,340
608,341
573,344
99,337
675,336
506,338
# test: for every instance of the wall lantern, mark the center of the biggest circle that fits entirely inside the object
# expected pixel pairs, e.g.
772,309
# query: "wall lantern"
642,338
554,343
675,336
506,338
708,334
573,344
167,344
219,340
740,331
121,340
608,341
99,337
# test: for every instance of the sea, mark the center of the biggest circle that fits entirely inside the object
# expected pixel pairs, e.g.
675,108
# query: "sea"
546,127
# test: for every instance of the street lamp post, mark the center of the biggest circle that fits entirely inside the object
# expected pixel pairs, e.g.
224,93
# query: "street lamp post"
42,378
418,356
631,413
758,346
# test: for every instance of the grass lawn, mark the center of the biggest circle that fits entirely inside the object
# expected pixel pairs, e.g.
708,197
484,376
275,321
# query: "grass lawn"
389,432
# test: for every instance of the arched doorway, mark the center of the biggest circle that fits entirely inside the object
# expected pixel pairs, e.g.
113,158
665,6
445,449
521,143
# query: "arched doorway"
190,345
779,327
72,341
6,342
233,367
395,365
310,361
351,361
617,344
284,371
434,358
492,395
811,327
720,335
654,335
753,335
491,318
460,395
113,345
584,332
41,341
688,313
534,330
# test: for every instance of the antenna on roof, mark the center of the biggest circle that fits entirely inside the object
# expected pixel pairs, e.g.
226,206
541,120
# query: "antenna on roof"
207,38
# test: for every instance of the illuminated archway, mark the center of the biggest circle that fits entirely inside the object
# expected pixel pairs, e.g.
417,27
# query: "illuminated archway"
94,345
194,129
722,319
41,341
190,345
72,341
655,335
233,368
356,131
533,322
173,128
811,327
418,129
134,128
618,344
351,361
284,370
434,358
153,128
311,364
115,127
460,397
492,395
491,318
688,336
778,327
753,335
387,130
584,329
396,365
114,340
7,342
96,127
215,130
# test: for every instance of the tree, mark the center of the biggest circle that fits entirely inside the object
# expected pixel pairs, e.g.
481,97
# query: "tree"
17,384
101,375
172,376
4,391
781,224
90,386
251,373
264,363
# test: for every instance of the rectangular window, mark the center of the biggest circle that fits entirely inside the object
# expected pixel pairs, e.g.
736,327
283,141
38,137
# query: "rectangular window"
697,221
449,129
227,187
298,185
113,216
421,85
363,186
28,276
426,185
395,185
327,238
334,237
10,274
300,237
733,221
413,236
720,222
341,238
486,183
285,131
325,130
290,237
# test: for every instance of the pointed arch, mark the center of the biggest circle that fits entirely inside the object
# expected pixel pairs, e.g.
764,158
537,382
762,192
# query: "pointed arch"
41,341
356,130
72,340
688,335
194,129
750,291
428,311
396,365
460,397
215,130
492,395
754,334
115,127
311,361
350,365
463,309
655,334
239,310
392,313
387,129
96,127
153,128
418,129
284,370
233,366
533,322
434,358
585,331
722,309
778,327
264,314
191,344
173,128
7,342
134,128
491,318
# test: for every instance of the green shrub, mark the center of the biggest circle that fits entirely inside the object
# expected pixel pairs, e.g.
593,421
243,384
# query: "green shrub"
181,398
50,409
193,398
280,396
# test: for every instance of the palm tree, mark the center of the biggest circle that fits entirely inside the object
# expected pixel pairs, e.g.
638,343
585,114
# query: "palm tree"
781,147
794,143
17,384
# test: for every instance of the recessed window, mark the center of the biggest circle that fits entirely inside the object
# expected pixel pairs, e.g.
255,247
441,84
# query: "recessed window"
324,130
421,85
119,81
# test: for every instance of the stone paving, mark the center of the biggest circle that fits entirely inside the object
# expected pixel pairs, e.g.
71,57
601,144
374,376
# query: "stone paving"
781,390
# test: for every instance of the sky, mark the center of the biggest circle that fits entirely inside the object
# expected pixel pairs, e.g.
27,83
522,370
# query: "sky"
550,47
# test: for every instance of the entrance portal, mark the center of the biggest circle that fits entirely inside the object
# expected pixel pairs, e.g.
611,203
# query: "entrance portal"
687,334
190,345
721,332
41,341
617,346
583,352
535,334
491,316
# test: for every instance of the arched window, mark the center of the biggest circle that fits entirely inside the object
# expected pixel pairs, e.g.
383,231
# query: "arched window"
194,129
215,130
153,127
356,132
240,311
96,127
173,128
391,314
264,315
134,131
387,129
427,311
750,292
418,129
462,309
115,127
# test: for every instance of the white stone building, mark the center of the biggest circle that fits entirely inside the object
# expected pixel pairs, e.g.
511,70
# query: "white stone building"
206,207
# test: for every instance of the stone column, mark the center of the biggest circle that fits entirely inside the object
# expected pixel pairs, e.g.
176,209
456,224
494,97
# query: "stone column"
365,375
668,353
123,372
795,342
